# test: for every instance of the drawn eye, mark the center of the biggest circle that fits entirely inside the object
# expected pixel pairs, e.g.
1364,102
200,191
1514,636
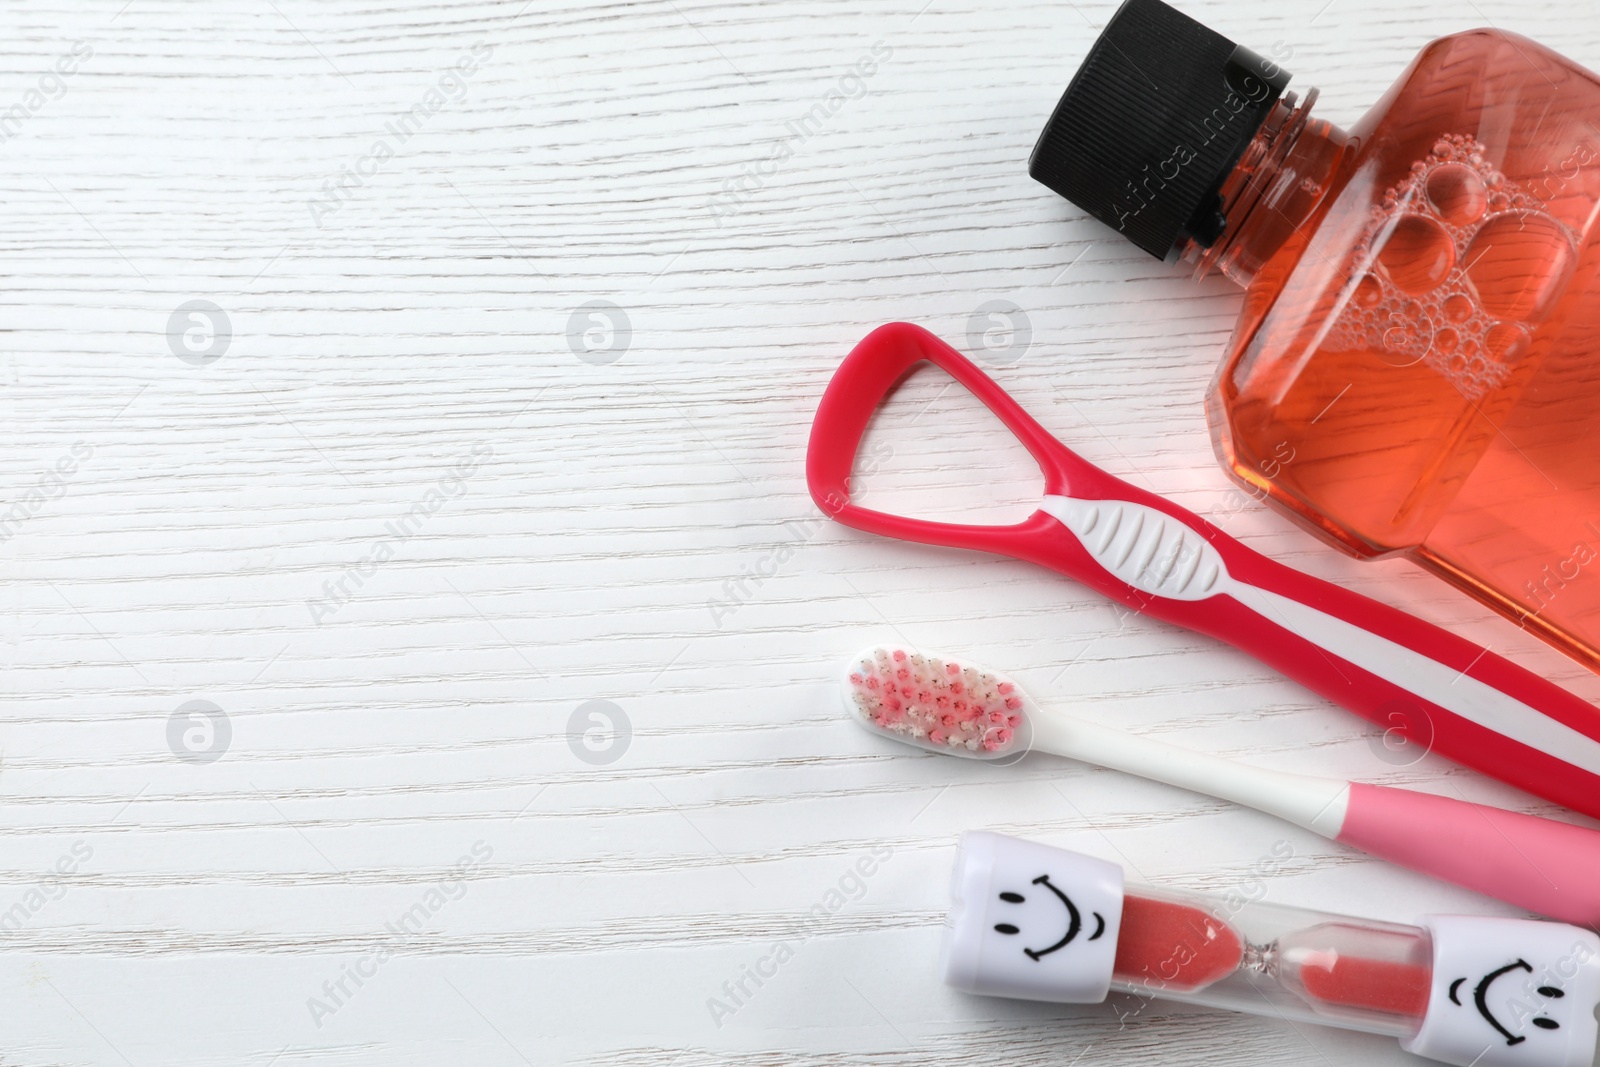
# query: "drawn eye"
1550,991
1007,928
1546,1024
1012,898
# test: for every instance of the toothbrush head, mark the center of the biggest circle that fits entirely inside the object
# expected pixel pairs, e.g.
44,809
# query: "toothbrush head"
938,703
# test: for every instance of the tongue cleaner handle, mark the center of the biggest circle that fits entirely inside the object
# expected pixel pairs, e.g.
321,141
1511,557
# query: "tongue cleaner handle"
1419,682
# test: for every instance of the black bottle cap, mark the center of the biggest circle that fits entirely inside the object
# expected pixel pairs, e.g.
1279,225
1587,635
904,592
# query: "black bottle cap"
1155,119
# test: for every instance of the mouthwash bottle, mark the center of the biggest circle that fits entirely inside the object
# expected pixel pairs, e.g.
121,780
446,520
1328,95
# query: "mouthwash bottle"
1416,369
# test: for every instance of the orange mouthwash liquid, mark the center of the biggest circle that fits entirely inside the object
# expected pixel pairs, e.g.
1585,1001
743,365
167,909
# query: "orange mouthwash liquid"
1416,370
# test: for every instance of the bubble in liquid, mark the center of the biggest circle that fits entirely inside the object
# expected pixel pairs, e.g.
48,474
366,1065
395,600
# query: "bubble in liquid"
1519,263
1369,291
1506,342
1449,265
1417,255
1457,194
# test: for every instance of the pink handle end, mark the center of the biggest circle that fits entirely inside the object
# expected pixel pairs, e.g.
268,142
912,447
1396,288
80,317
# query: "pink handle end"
1546,866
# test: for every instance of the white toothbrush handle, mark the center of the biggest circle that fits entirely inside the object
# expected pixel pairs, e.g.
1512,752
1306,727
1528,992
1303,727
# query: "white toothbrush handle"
1318,804
1546,866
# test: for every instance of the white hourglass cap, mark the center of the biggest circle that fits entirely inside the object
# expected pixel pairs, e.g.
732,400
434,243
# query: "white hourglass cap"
1032,921
1510,993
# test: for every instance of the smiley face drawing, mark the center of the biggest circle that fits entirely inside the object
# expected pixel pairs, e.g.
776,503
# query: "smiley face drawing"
1074,920
1032,921
1480,1000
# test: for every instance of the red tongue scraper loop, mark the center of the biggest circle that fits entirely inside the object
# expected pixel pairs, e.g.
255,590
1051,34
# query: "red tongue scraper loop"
1405,674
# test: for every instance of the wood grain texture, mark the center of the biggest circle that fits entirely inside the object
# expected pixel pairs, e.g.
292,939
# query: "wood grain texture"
399,533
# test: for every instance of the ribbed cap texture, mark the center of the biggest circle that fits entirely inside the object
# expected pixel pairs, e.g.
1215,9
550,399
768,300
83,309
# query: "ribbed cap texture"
1153,122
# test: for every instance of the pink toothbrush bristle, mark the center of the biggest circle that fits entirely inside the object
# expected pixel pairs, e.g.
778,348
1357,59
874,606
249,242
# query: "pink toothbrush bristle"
939,702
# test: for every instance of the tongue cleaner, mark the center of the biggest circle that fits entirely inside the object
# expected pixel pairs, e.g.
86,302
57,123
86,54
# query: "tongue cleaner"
949,706
1429,686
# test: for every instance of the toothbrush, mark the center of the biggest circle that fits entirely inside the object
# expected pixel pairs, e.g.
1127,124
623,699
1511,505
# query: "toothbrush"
1407,675
945,705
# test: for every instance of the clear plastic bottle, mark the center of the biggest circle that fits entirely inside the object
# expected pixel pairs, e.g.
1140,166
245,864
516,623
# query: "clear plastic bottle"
1414,371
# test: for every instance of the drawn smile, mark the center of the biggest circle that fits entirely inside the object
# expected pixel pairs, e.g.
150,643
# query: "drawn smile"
1480,1000
1074,920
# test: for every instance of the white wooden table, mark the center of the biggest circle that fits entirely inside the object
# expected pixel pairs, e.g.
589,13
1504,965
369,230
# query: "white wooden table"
397,500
